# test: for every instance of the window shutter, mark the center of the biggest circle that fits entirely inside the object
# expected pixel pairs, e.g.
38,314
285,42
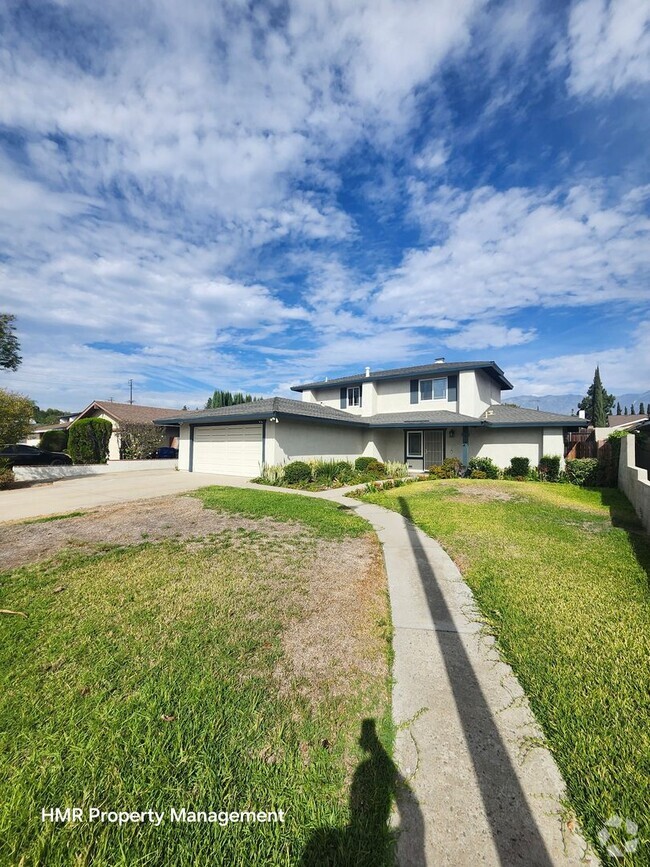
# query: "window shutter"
344,398
361,395
414,390
452,387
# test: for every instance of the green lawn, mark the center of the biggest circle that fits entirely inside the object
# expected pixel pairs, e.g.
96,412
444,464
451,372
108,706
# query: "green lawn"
158,676
561,575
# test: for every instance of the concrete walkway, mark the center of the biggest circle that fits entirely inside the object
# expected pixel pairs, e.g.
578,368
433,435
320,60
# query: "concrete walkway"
480,790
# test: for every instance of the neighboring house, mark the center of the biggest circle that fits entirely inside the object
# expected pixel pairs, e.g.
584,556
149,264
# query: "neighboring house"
33,437
419,415
123,413
619,422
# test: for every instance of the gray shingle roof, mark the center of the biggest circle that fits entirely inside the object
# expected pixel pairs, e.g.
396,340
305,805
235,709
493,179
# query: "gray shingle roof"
265,408
430,417
131,413
271,406
519,415
421,369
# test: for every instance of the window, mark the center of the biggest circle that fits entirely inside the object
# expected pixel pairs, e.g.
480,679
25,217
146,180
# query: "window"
414,443
435,389
354,396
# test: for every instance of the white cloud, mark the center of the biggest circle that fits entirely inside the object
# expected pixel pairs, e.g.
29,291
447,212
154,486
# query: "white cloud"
608,46
482,335
506,251
622,368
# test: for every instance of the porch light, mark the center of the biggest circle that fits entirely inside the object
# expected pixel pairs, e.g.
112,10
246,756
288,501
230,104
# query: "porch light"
452,433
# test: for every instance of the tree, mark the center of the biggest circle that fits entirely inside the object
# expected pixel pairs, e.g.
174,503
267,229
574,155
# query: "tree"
632,412
47,416
227,398
618,409
598,403
9,346
88,440
15,416
641,408
625,411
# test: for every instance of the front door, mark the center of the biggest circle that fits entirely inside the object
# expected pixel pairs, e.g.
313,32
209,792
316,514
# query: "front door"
434,447
424,448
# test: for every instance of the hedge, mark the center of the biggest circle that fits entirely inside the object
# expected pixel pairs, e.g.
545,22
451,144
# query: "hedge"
88,440
54,440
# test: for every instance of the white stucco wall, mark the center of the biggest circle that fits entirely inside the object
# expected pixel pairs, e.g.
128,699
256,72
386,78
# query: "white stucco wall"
184,448
303,441
332,397
477,392
633,481
502,444
553,443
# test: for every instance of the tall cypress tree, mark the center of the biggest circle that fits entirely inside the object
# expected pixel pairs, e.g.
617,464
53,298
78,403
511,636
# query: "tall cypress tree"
618,409
632,410
599,416
597,404
641,408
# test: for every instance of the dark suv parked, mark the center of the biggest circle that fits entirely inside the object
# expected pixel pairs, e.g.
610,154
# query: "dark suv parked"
28,456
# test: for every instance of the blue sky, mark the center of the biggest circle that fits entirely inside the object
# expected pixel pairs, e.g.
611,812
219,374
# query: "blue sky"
253,194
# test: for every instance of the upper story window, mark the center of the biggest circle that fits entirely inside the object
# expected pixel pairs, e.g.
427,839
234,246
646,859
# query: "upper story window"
354,396
433,389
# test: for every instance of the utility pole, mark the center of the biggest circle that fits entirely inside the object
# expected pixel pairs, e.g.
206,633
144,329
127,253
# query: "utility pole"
131,391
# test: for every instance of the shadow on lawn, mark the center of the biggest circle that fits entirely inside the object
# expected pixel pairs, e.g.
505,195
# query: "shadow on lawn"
623,516
368,840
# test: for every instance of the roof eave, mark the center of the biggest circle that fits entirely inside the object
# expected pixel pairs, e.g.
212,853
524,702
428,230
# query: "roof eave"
491,367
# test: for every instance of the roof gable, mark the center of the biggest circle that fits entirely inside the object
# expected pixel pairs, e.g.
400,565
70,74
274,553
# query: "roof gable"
126,412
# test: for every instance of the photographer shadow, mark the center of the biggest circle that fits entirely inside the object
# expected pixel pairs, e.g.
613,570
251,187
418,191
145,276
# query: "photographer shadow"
368,840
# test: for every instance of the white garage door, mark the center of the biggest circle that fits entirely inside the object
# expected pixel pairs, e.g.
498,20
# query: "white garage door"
233,450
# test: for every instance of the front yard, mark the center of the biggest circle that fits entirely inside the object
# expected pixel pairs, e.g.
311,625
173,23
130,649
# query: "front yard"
218,652
561,575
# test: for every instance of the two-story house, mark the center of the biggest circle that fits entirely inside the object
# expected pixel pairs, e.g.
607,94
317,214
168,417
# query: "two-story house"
420,415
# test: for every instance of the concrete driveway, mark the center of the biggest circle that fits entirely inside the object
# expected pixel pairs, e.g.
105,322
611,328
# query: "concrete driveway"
71,495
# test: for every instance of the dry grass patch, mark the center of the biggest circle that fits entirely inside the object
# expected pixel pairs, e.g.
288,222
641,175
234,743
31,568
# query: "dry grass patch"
330,644
125,524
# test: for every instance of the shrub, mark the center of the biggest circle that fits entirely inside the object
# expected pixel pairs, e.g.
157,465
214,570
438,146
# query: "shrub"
437,471
361,464
139,441
483,465
6,474
609,467
88,440
297,472
272,474
453,467
583,471
519,468
478,474
375,470
327,472
396,470
53,440
549,468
